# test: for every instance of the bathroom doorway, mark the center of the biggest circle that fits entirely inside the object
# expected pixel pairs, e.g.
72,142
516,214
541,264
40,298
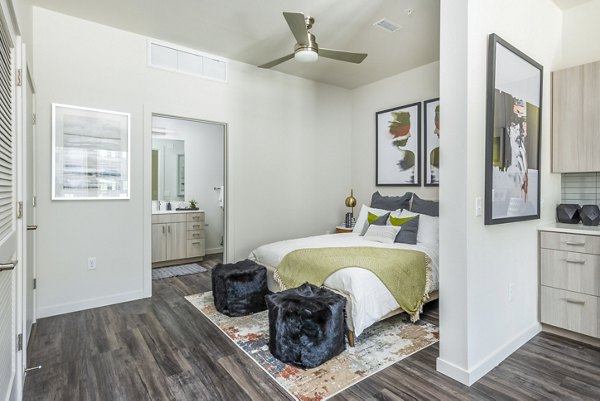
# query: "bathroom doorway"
188,191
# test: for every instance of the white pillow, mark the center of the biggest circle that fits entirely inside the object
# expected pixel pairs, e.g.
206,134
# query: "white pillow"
385,234
429,227
362,222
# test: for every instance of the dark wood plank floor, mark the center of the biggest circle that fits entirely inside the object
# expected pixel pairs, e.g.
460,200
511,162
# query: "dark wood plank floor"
163,349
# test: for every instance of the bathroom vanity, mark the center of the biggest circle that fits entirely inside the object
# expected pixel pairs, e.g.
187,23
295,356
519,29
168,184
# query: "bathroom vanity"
177,237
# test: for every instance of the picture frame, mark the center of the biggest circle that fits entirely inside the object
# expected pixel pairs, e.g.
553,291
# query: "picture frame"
431,138
513,134
90,153
398,146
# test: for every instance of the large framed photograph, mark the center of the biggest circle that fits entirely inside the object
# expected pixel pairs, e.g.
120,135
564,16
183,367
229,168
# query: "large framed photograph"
398,146
431,158
90,153
513,133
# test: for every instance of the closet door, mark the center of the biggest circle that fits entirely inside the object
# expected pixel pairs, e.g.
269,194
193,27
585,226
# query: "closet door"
8,237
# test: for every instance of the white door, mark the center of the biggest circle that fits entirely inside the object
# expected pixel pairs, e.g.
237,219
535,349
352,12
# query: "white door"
8,236
29,205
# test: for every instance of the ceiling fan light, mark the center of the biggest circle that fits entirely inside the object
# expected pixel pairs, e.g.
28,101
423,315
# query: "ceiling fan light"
306,56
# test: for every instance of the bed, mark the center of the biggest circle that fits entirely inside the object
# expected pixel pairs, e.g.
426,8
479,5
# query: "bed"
369,300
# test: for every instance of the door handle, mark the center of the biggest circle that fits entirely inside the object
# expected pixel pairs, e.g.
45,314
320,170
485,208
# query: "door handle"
575,243
169,229
574,301
577,262
8,265
163,229
32,227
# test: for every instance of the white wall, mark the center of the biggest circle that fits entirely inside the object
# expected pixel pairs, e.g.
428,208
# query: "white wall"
203,146
487,258
23,12
413,86
288,144
581,31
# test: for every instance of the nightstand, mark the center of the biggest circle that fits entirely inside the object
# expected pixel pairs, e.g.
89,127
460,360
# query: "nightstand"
343,229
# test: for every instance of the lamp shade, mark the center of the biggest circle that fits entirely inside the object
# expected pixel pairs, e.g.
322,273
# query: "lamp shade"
351,200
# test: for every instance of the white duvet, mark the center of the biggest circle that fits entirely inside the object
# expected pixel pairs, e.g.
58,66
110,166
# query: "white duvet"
371,300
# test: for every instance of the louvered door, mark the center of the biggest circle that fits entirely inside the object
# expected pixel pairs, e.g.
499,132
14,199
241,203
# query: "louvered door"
8,237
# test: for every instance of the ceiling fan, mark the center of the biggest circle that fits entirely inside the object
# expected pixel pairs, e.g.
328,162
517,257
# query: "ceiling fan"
306,49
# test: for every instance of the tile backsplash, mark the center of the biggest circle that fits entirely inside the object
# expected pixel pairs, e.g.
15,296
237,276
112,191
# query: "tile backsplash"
581,188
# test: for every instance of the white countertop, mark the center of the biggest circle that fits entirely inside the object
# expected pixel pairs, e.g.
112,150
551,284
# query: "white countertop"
570,228
176,211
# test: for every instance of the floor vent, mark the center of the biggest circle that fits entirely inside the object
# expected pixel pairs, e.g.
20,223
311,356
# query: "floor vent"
387,25
174,58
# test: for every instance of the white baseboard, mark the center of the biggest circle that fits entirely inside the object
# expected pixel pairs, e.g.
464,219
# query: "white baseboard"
470,376
214,250
90,303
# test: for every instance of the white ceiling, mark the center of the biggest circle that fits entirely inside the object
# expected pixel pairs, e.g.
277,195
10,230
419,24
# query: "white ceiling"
566,4
255,32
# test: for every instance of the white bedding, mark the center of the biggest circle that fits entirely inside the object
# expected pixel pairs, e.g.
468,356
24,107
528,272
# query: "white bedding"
371,300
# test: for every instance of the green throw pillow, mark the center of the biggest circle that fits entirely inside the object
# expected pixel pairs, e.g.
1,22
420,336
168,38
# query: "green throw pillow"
371,217
409,230
398,221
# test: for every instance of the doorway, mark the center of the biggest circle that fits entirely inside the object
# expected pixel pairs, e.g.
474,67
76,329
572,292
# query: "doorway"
188,171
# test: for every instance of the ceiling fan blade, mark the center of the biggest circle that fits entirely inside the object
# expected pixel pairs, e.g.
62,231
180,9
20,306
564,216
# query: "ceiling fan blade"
298,26
278,61
343,56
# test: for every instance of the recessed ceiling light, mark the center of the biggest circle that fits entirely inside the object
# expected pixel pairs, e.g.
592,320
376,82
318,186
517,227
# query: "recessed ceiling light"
387,25
409,11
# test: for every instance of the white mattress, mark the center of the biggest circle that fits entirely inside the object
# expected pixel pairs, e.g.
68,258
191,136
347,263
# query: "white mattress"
371,300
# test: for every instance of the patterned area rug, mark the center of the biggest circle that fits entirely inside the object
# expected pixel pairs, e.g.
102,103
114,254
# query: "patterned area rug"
174,271
378,347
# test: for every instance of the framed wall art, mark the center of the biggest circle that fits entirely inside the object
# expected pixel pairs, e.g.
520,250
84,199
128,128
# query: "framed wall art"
513,133
431,157
90,153
398,146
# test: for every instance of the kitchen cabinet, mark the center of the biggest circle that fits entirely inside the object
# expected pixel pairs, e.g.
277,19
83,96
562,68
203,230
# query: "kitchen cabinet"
569,271
576,119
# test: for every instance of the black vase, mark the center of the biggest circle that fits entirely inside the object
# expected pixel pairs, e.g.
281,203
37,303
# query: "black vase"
567,213
590,215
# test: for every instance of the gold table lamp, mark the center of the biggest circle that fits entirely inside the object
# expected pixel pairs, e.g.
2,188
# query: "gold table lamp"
351,201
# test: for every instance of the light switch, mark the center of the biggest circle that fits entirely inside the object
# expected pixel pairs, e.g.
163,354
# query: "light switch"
478,206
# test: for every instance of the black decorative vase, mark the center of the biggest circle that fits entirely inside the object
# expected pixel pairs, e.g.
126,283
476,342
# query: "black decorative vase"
567,213
590,215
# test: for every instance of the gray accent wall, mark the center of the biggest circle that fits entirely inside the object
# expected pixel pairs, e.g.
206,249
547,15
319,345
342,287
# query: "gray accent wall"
580,188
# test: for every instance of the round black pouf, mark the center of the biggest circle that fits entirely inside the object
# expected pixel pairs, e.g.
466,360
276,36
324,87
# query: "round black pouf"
239,289
306,325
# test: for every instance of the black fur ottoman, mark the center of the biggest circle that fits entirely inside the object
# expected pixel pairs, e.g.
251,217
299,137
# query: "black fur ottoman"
306,325
239,289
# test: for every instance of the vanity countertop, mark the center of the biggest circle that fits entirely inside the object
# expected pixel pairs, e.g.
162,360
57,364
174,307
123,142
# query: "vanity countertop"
176,211
571,228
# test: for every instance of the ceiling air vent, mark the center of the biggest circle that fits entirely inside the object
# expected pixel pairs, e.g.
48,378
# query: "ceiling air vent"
174,58
387,25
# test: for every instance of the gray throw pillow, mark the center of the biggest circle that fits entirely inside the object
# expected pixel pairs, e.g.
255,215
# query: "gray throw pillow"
428,207
408,232
381,221
379,201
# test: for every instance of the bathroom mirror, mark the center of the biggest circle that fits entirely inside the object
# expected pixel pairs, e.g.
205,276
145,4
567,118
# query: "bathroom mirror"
168,169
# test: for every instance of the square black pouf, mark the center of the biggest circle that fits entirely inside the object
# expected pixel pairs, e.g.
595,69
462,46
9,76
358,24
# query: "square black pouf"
306,325
239,289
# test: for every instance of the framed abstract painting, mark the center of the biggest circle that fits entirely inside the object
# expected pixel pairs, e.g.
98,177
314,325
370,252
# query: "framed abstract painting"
513,133
90,153
398,146
431,157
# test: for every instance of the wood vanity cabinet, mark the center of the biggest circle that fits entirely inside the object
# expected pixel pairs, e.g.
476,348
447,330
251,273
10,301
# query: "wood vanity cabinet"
177,238
576,119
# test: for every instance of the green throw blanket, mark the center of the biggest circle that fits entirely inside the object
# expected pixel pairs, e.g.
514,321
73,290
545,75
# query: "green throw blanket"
405,273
